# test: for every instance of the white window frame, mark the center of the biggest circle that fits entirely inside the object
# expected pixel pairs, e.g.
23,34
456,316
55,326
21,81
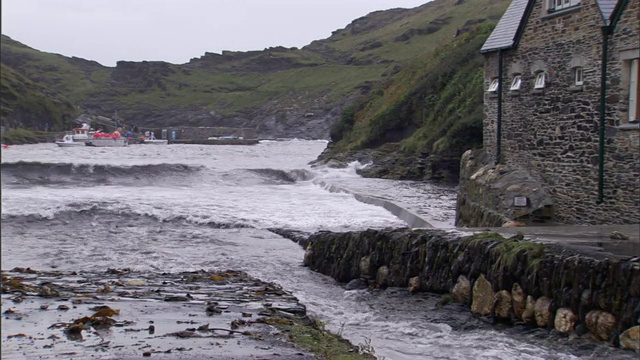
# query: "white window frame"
493,85
554,5
516,83
578,76
541,80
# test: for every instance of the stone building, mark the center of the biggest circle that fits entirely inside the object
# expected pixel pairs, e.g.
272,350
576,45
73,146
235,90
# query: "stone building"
562,103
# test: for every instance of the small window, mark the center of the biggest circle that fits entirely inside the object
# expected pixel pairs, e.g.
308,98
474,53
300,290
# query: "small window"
516,82
578,78
541,80
554,5
493,86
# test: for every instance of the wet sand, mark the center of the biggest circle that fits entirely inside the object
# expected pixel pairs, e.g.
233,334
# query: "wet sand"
194,315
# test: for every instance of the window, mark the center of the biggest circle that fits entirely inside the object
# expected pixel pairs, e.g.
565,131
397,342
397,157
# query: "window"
578,78
516,82
554,5
493,86
634,90
541,80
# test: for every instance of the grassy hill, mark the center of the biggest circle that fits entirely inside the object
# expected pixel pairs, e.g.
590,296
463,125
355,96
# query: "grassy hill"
283,92
423,119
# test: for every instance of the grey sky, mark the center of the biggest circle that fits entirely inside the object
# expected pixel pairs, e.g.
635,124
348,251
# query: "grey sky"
177,30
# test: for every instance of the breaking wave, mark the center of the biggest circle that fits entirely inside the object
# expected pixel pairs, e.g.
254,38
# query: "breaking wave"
39,173
25,174
106,212
289,176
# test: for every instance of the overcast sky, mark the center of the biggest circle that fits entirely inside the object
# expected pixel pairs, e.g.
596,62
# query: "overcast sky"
177,30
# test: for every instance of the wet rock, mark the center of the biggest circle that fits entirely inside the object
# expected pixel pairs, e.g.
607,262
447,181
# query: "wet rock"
519,301
529,313
63,307
212,309
565,321
630,339
48,291
482,297
308,255
136,282
297,309
382,276
356,284
600,323
617,235
175,298
461,291
542,311
514,223
502,304
365,265
414,284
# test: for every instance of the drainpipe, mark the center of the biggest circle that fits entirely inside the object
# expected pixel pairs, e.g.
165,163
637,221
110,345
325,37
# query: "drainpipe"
603,94
499,120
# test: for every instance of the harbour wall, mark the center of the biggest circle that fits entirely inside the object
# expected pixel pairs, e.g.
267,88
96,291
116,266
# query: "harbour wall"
505,279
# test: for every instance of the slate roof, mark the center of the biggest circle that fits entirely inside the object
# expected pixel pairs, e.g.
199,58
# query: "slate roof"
504,35
606,8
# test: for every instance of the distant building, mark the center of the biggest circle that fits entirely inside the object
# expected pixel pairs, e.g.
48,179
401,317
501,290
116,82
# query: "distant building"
562,101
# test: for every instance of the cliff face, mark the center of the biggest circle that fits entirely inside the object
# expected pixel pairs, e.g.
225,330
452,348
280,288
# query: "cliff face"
282,92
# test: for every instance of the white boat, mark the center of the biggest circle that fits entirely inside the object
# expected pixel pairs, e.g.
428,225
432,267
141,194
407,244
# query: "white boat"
150,138
82,134
68,141
107,140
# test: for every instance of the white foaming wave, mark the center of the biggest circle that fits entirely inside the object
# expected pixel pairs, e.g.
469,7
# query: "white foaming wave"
411,340
350,171
301,206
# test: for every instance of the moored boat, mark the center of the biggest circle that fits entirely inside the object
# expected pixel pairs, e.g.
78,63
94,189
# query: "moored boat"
150,138
107,140
68,141
81,134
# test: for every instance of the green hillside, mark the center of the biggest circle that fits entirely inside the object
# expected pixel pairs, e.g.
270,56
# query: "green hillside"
26,104
430,110
283,92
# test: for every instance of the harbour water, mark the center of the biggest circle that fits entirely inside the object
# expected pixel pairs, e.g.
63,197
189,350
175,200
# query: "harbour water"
191,207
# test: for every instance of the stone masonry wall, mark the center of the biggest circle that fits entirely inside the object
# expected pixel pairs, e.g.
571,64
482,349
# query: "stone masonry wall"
498,277
553,132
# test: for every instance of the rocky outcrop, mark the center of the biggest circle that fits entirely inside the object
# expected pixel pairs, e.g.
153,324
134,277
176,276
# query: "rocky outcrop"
511,279
496,195
390,162
630,339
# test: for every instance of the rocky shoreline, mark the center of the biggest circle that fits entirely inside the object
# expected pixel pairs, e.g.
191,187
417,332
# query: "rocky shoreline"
586,295
126,314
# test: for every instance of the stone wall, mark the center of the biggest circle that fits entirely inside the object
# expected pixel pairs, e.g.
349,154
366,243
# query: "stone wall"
507,279
553,133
